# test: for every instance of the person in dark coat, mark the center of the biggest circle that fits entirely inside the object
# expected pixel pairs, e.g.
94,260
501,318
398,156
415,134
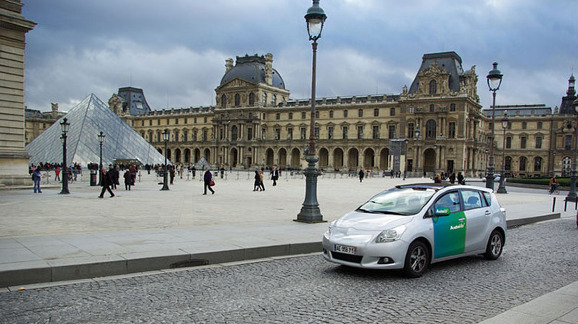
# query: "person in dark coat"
127,180
460,178
207,178
106,182
274,175
361,175
257,184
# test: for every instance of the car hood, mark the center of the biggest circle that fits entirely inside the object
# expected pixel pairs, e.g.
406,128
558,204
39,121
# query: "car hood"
371,222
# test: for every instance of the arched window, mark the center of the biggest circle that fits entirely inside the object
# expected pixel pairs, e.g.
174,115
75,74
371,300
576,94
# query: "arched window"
430,129
251,99
538,164
224,101
237,99
234,133
523,162
433,87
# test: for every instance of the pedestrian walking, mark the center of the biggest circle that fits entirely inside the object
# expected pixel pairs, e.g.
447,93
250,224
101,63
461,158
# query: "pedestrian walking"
453,178
361,175
37,178
261,178
274,175
57,173
257,183
106,181
208,180
461,179
127,180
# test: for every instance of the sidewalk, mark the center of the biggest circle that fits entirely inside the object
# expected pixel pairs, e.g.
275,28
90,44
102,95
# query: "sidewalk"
51,237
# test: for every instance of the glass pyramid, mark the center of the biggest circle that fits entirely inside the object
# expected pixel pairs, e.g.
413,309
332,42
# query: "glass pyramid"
87,120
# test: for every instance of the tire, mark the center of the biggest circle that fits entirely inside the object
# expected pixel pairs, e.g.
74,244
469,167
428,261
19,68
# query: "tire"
416,260
495,245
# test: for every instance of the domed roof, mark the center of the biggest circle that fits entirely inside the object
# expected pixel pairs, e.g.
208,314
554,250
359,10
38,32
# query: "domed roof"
252,69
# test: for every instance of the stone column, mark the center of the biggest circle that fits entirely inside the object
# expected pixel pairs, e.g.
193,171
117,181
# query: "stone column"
13,156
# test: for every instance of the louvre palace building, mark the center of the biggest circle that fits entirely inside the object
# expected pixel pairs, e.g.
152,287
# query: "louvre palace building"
435,125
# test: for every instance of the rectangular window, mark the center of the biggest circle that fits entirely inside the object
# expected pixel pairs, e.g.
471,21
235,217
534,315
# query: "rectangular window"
359,132
303,133
376,112
317,132
290,115
303,115
375,134
249,133
508,142
158,121
168,121
277,133
360,113
176,121
523,142
330,133
290,133
391,131
150,122
410,130
331,114
568,142
278,116
452,130
317,114
345,113
344,132
392,112
538,142
453,107
539,125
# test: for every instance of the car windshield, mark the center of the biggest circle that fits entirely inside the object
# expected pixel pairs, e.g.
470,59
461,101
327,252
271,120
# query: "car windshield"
398,201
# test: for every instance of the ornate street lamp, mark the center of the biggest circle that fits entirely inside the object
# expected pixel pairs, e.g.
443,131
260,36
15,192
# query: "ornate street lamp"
572,194
417,132
310,212
165,183
64,128
101,137
502,186
405,162
494,79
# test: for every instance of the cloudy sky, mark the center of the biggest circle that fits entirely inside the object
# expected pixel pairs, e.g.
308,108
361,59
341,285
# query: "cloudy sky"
176,50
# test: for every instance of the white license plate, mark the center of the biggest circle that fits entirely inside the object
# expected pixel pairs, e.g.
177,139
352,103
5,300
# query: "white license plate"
345,249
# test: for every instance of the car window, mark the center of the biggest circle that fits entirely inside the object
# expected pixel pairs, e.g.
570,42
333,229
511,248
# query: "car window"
472,199
487,198
450,200
406,201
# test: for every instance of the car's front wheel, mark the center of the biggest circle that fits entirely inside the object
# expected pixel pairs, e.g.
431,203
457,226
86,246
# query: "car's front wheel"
495,245
416,259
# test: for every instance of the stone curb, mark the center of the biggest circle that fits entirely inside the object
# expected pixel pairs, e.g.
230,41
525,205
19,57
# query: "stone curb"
118,265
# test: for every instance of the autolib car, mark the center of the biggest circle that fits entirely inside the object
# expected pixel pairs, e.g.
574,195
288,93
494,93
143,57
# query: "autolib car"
412,226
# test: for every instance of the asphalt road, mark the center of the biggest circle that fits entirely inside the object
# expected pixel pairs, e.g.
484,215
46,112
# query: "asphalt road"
537,259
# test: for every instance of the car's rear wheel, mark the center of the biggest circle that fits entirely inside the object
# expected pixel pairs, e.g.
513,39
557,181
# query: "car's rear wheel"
495,245
416,259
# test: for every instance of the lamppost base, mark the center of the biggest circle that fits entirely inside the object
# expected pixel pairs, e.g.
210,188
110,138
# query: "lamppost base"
502,190
310,215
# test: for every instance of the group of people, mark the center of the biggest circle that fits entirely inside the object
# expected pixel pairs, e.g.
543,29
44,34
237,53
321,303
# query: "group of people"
259,185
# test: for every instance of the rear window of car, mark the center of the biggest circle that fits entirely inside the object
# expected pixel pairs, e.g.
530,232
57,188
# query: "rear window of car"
487,197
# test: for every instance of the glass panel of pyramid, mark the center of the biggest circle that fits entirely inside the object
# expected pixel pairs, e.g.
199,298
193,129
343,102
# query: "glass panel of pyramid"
87,119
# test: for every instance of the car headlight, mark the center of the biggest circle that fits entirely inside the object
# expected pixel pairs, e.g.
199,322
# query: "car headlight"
390,235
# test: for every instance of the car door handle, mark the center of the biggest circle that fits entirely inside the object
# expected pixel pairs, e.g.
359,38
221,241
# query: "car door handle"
461,219
488,213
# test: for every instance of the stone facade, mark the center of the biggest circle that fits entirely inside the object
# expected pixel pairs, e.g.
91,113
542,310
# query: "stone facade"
436,125
13,156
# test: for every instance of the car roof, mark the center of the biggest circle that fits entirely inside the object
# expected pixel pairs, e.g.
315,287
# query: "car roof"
438,186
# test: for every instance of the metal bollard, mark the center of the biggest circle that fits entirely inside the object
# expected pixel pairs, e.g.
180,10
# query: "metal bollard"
553,203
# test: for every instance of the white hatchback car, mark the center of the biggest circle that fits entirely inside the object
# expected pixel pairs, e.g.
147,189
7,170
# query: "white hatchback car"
410,226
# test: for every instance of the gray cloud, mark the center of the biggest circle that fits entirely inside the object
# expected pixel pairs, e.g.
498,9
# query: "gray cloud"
175,51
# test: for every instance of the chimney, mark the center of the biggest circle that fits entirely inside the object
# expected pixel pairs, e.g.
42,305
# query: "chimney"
228,64
269,69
